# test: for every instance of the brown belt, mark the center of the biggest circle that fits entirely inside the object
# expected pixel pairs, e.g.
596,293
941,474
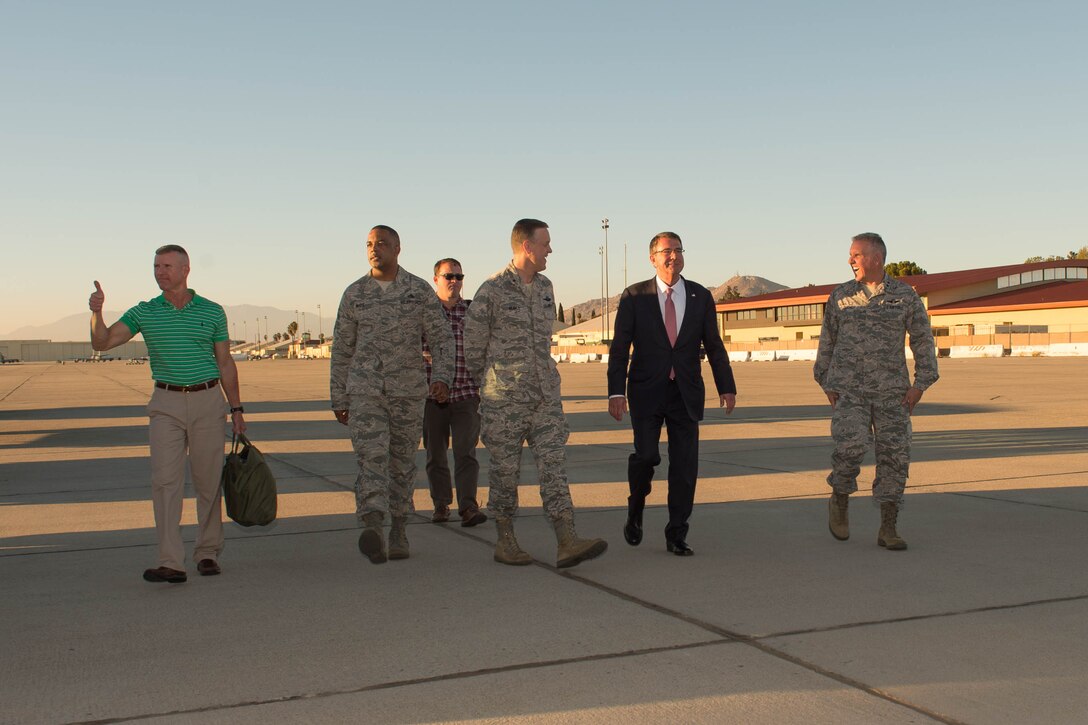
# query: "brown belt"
187,388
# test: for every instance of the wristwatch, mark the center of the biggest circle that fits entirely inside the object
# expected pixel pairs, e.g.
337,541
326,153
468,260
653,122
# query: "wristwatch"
239,409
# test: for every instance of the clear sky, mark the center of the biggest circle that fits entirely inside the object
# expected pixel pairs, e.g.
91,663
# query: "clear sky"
268,137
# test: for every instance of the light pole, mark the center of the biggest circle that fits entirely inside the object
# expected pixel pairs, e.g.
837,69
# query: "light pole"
266,328
258,335
304,321
296,326
600,251
320,324
604,225
245,332
625,265
234,327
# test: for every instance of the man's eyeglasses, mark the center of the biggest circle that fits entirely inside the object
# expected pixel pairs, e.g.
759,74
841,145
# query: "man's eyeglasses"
451,277
670,252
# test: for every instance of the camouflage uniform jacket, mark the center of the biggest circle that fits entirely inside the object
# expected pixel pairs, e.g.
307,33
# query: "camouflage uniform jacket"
861,342
508,337
376,347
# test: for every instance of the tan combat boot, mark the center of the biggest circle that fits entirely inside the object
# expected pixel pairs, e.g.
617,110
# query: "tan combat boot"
887,537
507,550
371,541
572,550
838,519
398,538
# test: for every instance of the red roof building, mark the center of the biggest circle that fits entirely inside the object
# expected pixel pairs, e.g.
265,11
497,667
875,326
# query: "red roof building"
1038,296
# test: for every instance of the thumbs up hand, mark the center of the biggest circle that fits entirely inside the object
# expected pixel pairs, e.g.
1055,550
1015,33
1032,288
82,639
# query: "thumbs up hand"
98,298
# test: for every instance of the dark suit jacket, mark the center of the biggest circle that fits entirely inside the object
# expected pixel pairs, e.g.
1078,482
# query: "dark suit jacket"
639,325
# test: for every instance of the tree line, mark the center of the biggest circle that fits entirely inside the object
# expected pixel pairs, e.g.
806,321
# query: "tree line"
1081,253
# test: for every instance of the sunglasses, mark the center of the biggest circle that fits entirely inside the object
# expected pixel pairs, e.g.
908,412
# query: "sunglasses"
451,277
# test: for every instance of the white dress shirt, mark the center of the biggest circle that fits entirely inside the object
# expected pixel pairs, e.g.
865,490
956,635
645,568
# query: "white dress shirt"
679,300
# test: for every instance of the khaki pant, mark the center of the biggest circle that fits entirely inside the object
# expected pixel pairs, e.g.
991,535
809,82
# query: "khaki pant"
187,423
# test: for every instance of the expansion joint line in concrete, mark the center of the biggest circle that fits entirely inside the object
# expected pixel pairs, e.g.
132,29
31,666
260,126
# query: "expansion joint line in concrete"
142,390
918,486
64,492
934,615
483,672
744,465
309,473
757,643
729,636
967,494
27,380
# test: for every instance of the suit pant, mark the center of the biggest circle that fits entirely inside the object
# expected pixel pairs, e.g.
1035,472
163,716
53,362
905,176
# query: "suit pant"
187,425
683,459
460,420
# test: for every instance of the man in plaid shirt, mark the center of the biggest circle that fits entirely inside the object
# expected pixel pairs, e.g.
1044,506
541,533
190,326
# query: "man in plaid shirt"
459,417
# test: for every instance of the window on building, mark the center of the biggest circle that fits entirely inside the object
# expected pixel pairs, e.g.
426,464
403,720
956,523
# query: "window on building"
1042,275
799,312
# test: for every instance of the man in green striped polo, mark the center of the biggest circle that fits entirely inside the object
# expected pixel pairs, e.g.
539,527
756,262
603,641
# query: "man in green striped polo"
186,337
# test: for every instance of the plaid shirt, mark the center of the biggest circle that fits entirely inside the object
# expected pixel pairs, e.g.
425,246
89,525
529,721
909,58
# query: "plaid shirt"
463,387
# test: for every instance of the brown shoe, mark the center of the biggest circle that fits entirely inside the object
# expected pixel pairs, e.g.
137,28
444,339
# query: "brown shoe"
441,515
473,516
208,567
165,574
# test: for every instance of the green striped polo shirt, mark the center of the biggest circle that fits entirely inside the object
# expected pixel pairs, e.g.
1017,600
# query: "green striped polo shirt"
180,343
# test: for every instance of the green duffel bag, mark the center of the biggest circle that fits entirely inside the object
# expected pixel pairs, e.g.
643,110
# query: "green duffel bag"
249,487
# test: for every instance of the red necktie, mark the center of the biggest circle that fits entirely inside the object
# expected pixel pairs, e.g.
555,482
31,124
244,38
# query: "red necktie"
670,324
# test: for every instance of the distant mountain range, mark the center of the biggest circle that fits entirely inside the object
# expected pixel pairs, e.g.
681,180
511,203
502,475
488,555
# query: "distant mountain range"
746,285
243,321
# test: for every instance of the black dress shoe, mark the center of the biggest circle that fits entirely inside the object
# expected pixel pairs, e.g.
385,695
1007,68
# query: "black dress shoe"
164,574
679,547
208,567
632,530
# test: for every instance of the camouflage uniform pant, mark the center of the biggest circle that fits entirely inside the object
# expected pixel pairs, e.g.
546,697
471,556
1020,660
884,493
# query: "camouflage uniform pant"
855,424
385,435
504,427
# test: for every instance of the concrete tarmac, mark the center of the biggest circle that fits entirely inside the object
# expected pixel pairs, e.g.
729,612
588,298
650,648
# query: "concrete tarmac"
984,619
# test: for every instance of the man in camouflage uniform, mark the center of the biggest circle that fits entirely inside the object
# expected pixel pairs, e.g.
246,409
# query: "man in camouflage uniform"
378,385
862,368
508,333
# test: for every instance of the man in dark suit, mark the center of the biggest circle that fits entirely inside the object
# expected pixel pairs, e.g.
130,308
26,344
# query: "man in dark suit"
665,320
